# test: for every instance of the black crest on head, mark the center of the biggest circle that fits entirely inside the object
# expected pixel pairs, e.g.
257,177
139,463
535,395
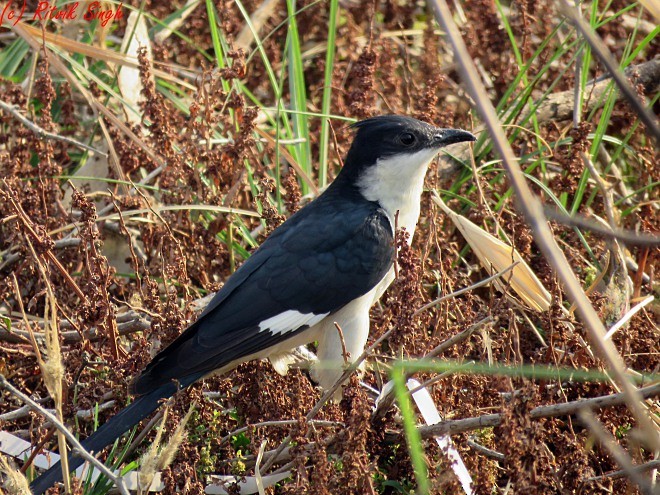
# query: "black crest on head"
384,136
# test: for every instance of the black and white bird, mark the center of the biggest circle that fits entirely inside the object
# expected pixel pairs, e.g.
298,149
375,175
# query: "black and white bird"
328,263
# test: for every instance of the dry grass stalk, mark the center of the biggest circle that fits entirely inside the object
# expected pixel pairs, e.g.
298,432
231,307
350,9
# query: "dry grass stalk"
149,461
52,368
652,7
168,453
156,459
104,54
612,446
15,482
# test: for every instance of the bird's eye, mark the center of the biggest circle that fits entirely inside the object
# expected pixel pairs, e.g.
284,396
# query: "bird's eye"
407,139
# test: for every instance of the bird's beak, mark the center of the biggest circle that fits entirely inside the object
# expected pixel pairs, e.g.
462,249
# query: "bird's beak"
452,136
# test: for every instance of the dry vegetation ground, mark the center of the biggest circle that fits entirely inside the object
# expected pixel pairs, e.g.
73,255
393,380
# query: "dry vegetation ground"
113,318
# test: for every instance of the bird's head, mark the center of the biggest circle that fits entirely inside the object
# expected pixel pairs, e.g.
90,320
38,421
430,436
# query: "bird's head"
408,142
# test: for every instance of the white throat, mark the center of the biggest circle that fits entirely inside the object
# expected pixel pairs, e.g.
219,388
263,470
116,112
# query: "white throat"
396,183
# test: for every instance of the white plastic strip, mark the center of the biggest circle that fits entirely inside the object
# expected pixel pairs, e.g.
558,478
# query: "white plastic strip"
247,487
633,311
431,416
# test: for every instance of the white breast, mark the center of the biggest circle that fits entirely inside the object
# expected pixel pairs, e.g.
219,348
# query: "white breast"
396,183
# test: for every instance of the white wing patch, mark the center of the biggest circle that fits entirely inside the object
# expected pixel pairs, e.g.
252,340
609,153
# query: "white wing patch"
290,320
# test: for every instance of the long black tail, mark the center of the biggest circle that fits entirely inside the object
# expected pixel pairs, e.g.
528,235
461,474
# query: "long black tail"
108,433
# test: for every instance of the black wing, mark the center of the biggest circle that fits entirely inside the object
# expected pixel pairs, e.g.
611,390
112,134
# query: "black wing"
326,255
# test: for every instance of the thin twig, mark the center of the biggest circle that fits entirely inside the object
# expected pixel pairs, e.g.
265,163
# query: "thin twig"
137,324
32,338
48,254
435,379
10,258
481,283
625,318
42,133
116,480
623,235
454,426
619,454
493,454
91,412
283,422
459,337
344,352
21,412
602,186
640,468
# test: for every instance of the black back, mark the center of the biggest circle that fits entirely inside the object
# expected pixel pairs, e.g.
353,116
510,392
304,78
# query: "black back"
329,253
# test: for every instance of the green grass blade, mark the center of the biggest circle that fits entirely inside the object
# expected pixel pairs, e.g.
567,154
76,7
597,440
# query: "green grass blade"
297,89
529,371
324,149
413,438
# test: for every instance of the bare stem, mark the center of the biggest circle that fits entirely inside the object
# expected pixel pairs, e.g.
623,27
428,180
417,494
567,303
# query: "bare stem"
621,456
116,480
42,133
